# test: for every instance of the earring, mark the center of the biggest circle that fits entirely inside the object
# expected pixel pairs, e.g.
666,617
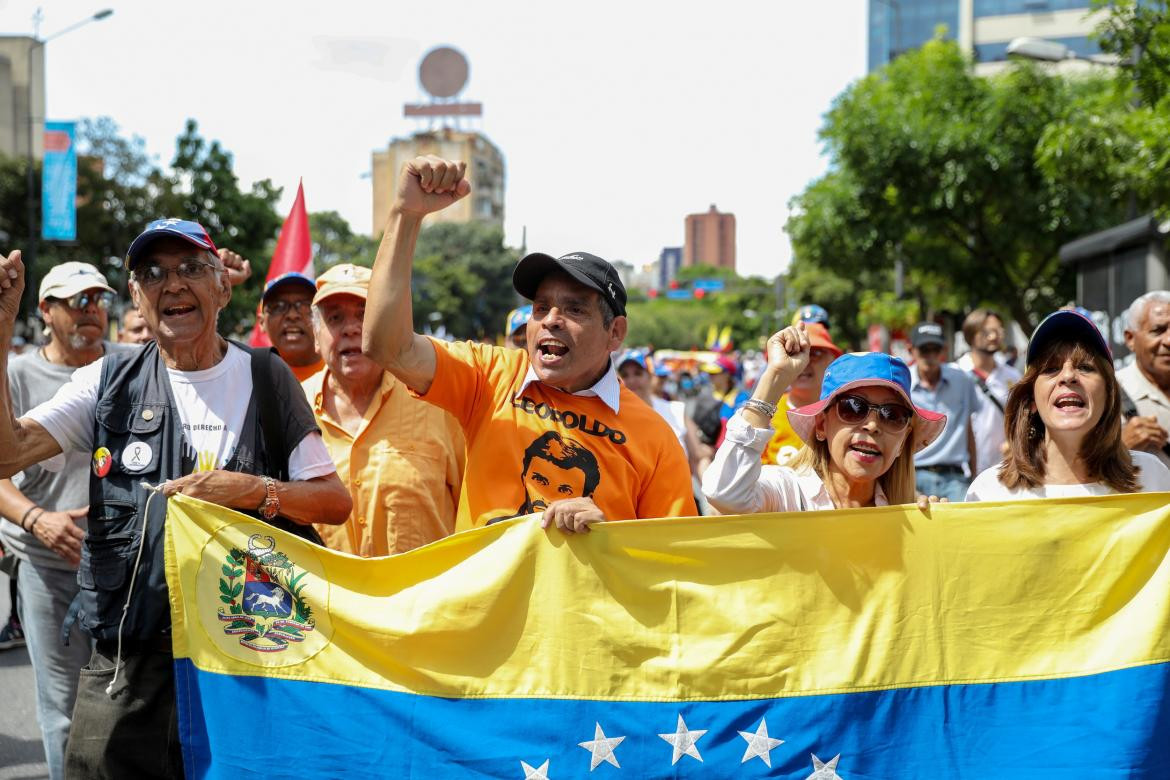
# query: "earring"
1033,431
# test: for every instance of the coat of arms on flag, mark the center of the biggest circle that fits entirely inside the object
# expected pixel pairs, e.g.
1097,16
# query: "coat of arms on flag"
262,596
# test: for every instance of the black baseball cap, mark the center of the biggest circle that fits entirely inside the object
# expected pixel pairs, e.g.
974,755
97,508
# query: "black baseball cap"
926,334
589,270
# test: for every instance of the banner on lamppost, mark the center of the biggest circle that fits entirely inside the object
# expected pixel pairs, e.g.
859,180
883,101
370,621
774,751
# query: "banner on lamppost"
59,183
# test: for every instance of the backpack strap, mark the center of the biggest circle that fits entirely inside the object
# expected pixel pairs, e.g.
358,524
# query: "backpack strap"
982,383
264,389
275,446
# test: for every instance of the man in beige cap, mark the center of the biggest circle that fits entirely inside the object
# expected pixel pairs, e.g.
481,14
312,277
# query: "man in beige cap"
401,458
46,511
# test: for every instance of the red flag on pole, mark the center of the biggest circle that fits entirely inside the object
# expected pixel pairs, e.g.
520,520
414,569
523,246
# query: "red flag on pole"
294,253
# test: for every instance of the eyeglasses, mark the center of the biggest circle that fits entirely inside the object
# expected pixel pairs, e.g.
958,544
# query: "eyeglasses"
853,409
83,300
280,308
152,274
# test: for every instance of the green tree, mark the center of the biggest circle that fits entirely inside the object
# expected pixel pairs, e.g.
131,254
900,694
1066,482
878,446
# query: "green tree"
203,186
335,242
939,167
1116,143
463,279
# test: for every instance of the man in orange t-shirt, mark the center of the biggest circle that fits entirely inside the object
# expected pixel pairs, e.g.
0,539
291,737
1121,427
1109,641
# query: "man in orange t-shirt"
548,428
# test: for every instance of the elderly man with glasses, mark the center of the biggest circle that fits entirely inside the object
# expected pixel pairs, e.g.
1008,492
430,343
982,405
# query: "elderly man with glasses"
195,414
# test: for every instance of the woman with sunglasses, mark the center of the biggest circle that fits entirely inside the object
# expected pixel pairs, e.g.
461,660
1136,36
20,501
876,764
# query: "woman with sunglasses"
859,438
1063,423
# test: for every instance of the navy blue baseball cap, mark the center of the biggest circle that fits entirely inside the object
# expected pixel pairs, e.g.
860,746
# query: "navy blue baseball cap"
1068,325
284,280
191,232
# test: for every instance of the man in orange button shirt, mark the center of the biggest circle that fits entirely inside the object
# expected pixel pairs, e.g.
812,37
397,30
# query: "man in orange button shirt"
401,458
550,426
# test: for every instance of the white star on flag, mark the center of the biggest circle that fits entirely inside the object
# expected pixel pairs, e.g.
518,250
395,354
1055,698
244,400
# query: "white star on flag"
683,740
602,748
823,771
539,773
760,745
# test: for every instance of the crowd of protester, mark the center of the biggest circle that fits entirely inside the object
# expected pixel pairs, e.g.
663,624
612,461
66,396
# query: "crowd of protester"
361,434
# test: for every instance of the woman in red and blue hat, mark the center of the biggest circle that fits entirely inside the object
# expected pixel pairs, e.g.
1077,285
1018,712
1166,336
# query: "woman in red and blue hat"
859,438
1063,423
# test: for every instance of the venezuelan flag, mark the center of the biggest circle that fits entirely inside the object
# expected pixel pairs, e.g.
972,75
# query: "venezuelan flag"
981,641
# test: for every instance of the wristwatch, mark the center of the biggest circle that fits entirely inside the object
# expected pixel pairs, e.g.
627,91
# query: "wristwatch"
270,506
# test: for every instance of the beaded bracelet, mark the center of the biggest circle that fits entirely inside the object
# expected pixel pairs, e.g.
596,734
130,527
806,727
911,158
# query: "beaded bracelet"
763,407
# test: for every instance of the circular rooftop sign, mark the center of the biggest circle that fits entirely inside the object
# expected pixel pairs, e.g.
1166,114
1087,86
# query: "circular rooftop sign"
443,72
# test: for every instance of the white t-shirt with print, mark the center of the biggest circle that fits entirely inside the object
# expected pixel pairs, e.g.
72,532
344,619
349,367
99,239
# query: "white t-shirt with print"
1154,477
211,403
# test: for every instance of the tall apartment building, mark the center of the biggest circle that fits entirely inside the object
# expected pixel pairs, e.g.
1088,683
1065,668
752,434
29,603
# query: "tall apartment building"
710,239
485,171
669,261
982,27
21,90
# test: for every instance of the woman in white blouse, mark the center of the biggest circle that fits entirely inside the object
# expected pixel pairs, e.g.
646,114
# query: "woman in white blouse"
1063,423
860,437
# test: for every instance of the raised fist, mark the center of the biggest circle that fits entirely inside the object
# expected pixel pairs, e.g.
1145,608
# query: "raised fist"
429,184
788,350
238,269
11,288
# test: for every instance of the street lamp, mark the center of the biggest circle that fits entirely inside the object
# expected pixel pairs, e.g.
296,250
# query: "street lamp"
1043,50
30,251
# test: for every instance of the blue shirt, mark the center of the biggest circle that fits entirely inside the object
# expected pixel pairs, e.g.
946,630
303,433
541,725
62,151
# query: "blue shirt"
954,396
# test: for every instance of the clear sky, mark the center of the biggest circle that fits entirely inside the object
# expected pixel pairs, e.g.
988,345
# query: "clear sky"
616,119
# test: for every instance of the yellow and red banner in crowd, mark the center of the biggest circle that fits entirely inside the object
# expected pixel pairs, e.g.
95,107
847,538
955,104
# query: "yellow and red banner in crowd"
979,641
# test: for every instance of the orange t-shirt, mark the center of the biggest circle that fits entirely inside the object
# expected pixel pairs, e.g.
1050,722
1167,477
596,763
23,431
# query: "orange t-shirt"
304,372
525,451
784,443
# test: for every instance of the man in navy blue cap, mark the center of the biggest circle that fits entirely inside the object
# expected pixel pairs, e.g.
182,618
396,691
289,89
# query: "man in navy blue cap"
507,399
189,412
285,315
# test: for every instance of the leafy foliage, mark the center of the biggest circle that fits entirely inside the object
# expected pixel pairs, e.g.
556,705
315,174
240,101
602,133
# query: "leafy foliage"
463,279
940,167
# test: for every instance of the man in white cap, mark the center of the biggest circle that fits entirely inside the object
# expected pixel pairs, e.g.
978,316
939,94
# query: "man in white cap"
401,458
46,511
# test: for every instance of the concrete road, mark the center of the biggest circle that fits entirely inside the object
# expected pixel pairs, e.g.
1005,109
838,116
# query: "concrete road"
21,755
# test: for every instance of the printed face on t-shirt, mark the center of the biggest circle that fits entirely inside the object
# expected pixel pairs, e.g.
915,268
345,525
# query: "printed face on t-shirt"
546,482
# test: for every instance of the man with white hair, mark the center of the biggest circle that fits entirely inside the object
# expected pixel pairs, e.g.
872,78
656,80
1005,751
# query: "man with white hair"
1146,383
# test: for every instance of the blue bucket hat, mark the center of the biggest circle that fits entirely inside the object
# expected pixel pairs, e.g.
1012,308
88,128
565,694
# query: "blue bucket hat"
517,318
867,369
1068,325
191,232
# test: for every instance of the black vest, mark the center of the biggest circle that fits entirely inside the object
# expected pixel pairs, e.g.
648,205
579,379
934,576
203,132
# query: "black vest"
135,405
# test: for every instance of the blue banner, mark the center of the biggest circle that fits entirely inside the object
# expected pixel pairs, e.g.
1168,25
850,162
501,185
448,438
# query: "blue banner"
59,183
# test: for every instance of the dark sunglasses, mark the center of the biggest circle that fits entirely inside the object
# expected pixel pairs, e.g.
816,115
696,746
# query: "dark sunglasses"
83,300
853,409
152,274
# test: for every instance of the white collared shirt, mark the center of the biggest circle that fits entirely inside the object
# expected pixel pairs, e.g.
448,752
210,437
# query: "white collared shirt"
737,483
608,388
1148,398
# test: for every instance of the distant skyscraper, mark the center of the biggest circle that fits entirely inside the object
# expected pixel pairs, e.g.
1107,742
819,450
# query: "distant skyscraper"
710,239
984,27
669,261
